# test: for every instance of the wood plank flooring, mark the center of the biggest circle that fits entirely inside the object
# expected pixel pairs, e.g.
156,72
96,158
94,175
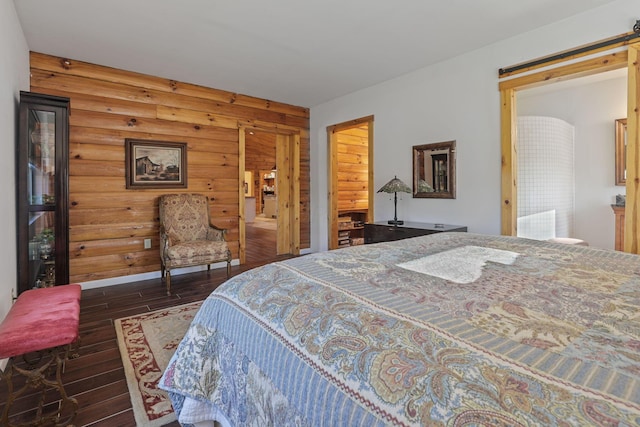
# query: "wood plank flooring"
260,243
96,378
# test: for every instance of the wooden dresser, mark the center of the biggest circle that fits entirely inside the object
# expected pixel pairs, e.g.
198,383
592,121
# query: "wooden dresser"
384,232
619,233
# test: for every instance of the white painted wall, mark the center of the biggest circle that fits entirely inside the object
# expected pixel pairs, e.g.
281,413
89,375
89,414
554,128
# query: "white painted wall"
456,99
14,77
592,108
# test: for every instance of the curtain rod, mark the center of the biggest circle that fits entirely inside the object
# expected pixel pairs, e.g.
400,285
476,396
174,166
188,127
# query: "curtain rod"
583,49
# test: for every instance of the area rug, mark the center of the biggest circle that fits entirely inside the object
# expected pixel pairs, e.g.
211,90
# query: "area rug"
147,341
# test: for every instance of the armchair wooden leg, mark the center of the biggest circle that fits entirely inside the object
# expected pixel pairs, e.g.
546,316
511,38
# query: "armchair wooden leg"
168,282
228,269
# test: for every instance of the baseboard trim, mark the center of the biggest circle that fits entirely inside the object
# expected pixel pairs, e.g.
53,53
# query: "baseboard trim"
93,284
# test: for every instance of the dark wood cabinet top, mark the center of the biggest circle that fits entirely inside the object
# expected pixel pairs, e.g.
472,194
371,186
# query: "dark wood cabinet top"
423,226
385,232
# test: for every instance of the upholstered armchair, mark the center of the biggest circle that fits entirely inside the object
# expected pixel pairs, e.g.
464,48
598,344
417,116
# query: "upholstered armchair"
187,237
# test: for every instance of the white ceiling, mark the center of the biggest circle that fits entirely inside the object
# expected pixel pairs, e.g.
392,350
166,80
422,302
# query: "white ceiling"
301,52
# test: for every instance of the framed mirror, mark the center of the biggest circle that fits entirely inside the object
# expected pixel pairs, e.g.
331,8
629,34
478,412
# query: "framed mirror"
621,152
434,170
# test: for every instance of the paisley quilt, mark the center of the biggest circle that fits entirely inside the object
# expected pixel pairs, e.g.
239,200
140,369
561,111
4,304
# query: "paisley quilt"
450,329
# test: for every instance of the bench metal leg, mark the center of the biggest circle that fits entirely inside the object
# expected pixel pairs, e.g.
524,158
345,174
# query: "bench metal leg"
37,376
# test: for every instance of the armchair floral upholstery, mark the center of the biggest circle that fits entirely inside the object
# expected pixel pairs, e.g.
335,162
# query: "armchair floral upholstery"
187,237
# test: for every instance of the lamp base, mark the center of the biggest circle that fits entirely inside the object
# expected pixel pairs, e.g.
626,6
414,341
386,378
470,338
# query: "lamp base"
395,221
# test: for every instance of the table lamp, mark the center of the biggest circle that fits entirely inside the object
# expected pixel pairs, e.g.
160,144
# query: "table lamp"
394,186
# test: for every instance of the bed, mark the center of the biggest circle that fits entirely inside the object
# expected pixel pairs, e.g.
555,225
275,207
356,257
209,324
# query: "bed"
450,329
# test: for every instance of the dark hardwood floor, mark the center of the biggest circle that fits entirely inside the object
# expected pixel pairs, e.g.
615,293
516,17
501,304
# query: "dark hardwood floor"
260,243
96,378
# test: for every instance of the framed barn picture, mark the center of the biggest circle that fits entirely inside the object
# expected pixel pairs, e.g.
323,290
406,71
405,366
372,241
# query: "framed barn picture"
155,164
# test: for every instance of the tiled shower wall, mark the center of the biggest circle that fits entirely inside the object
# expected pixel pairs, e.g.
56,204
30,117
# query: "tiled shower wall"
545,177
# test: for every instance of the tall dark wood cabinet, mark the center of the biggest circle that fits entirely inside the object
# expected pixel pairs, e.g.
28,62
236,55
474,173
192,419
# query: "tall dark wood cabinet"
42,175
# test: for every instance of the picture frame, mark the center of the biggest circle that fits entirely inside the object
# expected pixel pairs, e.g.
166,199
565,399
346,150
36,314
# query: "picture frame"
434,170
155,164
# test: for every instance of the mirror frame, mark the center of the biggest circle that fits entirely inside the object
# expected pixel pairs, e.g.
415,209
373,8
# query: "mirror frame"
621,151
451,170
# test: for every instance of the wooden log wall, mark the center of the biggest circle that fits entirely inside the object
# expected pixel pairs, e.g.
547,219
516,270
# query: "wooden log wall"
353,169
108,223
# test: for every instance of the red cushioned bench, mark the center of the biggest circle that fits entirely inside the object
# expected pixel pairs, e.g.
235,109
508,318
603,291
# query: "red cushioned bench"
46,321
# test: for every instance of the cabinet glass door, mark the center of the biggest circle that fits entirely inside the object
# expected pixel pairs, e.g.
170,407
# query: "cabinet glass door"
41,196
42,192
42,257
42,158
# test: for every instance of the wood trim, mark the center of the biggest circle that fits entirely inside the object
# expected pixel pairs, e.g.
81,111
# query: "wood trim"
294,180
284,191
632,206
332,196
242,240
371,192
609,62
566,57
262,126
509,208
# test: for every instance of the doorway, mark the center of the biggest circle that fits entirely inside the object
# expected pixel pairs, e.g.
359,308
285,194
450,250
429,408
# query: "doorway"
509,87
566,158
270,219
261,198
350,180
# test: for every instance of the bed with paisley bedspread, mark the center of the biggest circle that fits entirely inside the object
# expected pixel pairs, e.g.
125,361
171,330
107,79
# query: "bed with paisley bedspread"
451,329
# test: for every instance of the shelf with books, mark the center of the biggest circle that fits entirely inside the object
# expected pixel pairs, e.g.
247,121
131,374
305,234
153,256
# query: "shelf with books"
351,228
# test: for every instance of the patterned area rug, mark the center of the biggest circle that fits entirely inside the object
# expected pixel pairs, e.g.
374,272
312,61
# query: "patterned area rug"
147,341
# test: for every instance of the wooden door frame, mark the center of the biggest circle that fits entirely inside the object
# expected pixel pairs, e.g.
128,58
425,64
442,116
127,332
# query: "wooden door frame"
288,184
332,168
508,118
